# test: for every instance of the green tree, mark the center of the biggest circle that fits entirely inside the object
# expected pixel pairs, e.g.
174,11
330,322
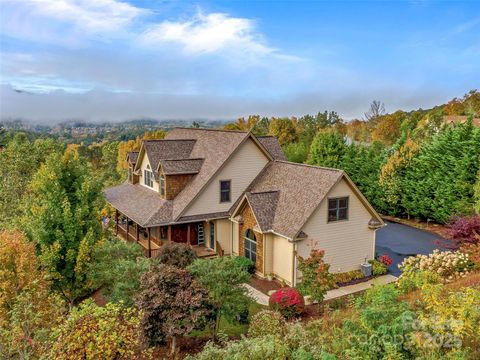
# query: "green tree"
173,303
297,151
62,218
477,194
224,278
327,149
440,182
116,268
18,162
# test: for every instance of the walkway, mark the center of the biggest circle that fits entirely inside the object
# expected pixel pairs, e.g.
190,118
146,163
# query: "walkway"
262,299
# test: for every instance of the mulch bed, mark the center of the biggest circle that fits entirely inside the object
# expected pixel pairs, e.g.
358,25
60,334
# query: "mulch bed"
264,285
356,281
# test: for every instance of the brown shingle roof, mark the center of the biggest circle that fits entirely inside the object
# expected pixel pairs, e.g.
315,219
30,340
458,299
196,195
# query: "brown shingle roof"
273,147
139,203
264,206
300,190
215,146
183,166
132,156
157,150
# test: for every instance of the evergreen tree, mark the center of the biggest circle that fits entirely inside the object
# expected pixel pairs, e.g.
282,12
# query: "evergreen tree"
440,182
327,149
62,218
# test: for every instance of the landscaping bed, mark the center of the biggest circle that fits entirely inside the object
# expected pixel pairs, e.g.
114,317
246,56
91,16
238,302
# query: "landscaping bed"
264,285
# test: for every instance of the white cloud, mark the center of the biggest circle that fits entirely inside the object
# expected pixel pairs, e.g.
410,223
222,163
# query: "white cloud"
211,33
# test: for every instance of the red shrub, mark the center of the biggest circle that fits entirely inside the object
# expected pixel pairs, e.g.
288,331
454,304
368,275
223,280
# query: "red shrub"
385,259
465,229
288,301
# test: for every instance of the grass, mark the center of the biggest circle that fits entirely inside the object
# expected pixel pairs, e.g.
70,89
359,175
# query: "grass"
231,329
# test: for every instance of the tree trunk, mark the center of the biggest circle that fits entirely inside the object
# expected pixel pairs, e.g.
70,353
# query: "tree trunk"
174,345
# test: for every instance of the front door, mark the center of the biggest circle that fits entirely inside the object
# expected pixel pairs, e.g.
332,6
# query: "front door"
212,235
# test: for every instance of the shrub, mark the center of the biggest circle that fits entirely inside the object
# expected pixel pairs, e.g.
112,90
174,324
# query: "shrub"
417,281
93,332
465,229
378,268
267,323
245,263
473,252
448,265
288,301
316,279
385,259
116,268
347,276
176,254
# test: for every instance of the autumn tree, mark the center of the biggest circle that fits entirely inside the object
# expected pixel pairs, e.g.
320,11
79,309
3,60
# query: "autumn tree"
28,311
327,149
94,332
316,278
283,129
173,304
388,127
124,148
62,219
357,130
223,277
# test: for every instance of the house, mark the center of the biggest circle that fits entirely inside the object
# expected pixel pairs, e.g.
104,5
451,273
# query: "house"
233,193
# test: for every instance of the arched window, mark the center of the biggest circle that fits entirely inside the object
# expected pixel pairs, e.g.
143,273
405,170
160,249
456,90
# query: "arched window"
250,245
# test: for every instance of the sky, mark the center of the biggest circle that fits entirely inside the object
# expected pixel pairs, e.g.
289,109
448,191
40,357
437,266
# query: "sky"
112,60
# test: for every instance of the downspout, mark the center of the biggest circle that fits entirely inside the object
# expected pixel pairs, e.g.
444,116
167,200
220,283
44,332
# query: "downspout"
294,265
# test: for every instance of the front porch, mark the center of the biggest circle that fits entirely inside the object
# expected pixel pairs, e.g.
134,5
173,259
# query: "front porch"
153,238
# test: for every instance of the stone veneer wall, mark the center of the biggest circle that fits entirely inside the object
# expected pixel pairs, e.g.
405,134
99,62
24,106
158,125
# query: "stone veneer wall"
174,184
249,222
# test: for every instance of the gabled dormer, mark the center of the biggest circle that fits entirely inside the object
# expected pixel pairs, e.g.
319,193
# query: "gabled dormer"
175,174
131,159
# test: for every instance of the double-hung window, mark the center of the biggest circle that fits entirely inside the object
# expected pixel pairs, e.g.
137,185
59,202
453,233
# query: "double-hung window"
148,177
225,189
337,209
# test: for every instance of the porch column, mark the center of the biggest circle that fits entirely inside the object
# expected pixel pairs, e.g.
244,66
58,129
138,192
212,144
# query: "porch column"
188,235
149,245
137,232
169,233
127,230
116,222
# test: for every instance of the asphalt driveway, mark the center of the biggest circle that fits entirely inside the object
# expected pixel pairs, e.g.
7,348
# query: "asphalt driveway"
401,241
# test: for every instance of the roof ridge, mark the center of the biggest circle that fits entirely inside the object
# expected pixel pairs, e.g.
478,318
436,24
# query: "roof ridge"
182,159
310,166
263,192
210,129
155,140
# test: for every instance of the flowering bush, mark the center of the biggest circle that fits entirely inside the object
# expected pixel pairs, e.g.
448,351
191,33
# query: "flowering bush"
267,323
288,301
385,259
473,252
348,276
448,265
378,268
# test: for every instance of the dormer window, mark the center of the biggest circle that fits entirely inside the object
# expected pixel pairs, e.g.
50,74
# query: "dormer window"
162,185
225,187
148,177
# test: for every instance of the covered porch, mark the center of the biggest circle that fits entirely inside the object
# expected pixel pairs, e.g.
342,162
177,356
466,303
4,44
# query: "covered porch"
151,239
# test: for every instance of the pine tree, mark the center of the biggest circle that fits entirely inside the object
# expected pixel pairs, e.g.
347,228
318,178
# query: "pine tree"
327,149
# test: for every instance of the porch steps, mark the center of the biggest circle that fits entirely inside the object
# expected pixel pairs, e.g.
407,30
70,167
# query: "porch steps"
201,234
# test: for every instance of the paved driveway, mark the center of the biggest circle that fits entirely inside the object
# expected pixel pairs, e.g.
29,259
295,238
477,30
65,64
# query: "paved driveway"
400,241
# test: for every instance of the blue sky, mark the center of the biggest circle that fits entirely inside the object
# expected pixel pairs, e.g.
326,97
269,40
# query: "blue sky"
117,60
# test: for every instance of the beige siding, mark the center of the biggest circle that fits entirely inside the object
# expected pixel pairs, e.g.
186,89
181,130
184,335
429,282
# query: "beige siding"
282,258
241,169
268,251
224,234
235,238
346,243
141,181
